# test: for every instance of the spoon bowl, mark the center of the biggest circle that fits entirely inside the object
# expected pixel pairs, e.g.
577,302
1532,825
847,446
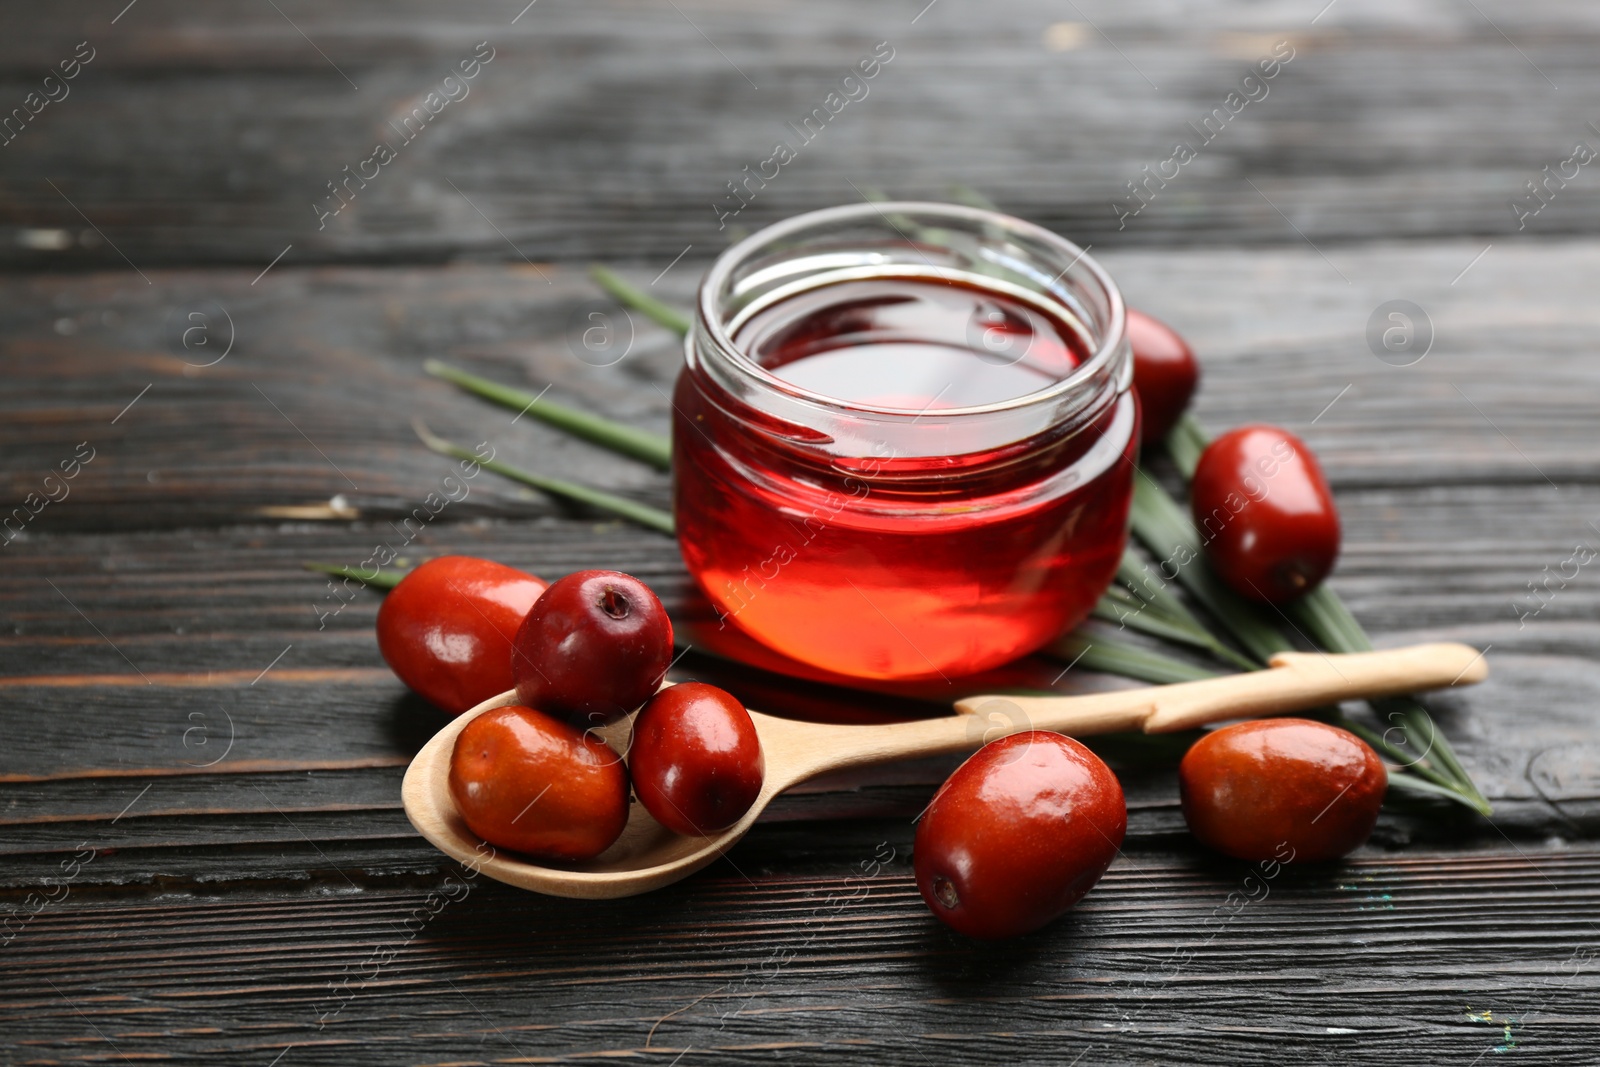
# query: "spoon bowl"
648,856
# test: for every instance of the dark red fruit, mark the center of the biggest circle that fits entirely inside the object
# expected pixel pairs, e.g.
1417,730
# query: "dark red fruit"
529,782
1018,834
447,629
1281,789
1165,374
594,647
1265,513
696,760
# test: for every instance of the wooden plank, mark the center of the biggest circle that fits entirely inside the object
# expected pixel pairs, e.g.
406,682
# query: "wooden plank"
206,134
321,737
257,909
1463,953
1446,520
315,401
1442,535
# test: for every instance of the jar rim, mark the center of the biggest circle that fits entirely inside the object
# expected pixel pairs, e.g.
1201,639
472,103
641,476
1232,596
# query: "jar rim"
1086,374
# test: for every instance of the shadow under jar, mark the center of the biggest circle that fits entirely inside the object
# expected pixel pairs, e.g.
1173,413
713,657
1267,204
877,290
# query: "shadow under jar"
904,441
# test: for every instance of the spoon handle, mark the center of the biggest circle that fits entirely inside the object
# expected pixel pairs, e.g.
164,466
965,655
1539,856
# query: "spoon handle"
1296,681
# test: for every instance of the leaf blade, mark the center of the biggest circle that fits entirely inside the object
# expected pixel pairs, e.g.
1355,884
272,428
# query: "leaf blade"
621,506
630,441
629,296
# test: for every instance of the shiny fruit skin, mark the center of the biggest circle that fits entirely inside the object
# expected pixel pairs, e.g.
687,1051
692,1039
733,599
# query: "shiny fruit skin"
695,760
1165,374
1265,514
1018,834
529,782
447,629
594,647
1254,789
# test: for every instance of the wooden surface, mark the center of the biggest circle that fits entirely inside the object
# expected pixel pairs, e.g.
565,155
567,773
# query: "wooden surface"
207,863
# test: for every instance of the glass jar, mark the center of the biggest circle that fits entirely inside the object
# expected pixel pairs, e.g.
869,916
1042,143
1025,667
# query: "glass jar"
904,438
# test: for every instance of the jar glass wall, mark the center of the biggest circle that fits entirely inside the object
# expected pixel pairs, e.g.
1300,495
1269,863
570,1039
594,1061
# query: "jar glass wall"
904,438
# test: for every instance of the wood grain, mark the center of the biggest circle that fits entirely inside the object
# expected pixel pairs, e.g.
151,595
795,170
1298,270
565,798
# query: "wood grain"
1168,960
315,400
207,133
200,591
254,908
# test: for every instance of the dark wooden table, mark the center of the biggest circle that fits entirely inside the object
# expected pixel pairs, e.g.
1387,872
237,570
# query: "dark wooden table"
205,856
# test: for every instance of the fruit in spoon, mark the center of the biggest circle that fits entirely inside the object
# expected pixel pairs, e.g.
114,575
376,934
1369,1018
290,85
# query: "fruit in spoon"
695,759
529,782
593,648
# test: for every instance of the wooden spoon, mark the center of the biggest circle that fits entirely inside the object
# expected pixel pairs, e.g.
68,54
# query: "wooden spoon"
648,856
